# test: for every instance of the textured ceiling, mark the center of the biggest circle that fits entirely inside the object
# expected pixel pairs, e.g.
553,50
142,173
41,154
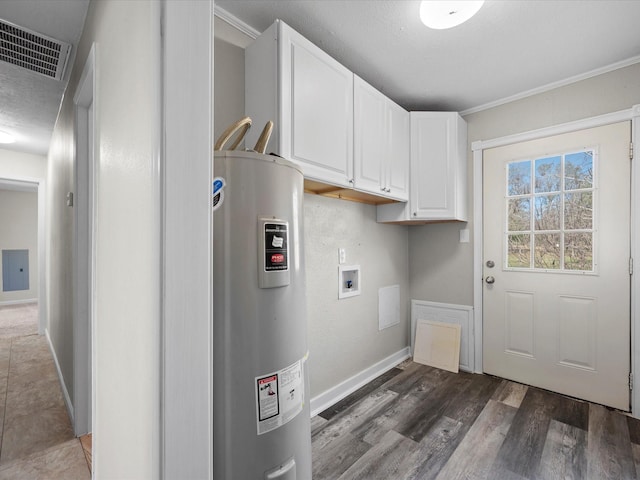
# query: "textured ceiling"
508,48
29,102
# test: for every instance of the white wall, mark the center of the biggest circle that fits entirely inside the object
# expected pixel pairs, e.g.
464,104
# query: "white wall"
441,268
22,165
19,220
228,86
60,181
127,339
343,334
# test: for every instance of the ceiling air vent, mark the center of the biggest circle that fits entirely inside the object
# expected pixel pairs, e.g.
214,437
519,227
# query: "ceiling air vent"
33,51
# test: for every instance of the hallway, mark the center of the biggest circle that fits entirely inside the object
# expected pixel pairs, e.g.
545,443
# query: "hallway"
36,436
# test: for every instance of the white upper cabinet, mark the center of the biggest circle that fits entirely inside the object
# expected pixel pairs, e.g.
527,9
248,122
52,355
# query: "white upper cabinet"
398,125
438,171
381,143
370,143
309,97
438,166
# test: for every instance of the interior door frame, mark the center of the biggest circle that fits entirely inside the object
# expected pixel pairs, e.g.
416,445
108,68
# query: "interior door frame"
38,185
186,172
84,249
633,115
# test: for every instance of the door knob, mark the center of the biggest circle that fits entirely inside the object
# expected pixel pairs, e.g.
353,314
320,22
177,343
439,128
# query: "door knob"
490,280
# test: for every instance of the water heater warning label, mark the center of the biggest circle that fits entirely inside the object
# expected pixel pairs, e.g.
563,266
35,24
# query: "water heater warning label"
280,397
276,247
273,252
268,397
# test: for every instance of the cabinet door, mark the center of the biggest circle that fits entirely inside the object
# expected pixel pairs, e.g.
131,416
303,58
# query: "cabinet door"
434,162
370,137
398,151
316,110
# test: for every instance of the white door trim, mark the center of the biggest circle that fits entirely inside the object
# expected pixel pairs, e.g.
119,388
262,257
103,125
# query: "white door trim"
477,148
40,188
186,166
84,254
635,253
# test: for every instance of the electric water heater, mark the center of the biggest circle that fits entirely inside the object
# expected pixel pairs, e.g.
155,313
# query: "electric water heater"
261,405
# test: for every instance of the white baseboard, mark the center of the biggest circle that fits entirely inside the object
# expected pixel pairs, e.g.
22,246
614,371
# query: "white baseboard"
65,392
332,396
18,302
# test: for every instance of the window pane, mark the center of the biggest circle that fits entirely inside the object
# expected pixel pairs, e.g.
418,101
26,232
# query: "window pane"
519,251
519,214
548,174
547,213
578,251
519,178
578,210
547,250
578,170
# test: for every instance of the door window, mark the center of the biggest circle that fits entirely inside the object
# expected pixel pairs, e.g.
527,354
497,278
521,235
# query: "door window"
550,213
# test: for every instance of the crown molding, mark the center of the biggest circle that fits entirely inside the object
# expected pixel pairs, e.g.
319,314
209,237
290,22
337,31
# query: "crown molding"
235,22
553,85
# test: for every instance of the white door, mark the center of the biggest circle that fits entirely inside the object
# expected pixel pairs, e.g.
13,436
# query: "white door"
556,263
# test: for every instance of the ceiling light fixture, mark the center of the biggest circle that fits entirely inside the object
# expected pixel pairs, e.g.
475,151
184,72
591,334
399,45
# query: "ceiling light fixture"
6,137
441,14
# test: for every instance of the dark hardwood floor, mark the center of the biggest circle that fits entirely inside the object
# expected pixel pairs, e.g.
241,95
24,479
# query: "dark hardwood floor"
418,422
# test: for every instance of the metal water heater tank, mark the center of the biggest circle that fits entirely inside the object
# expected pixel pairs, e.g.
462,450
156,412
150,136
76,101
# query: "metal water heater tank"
261,387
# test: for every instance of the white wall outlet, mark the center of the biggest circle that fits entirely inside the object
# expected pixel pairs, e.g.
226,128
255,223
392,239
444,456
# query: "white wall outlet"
464,235
342,256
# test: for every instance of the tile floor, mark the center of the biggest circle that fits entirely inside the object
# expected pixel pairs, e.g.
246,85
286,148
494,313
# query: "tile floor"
36,436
